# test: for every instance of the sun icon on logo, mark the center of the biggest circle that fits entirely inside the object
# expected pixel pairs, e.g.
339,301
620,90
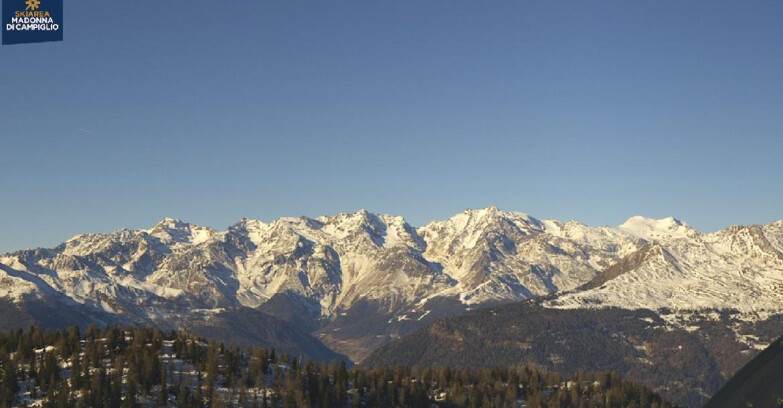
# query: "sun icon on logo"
32,4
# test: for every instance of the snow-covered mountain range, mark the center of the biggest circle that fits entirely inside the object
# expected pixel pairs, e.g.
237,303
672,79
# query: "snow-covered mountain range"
738,268
358,279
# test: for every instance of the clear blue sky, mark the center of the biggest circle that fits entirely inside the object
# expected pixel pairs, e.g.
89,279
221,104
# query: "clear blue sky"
211,111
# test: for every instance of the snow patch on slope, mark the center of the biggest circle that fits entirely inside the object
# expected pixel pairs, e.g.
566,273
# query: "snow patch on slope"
736,268
654,230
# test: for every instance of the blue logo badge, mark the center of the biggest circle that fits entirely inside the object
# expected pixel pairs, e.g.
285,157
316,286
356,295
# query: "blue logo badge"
32,21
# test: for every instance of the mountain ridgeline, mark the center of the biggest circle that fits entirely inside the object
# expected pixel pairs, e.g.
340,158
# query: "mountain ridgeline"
340,287
354,280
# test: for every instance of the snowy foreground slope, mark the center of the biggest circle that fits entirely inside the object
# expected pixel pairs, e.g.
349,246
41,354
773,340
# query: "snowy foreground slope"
357,280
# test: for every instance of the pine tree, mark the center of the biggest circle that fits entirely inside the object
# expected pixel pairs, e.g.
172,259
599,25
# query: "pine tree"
163,395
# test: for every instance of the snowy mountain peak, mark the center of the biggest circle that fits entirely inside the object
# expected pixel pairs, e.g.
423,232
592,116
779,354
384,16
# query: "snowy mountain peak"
490,217
350,222
477,228
172,230
489,213
245,224
169,222
252,229
486,211
360,216
657,229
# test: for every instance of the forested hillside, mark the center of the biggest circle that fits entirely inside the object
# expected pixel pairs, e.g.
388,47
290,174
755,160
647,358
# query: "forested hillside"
684,365
134,367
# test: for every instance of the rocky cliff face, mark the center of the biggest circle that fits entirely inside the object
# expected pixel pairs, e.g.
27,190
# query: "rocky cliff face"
359,279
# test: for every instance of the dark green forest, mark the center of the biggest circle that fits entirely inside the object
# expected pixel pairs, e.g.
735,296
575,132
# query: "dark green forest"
121,367
685,366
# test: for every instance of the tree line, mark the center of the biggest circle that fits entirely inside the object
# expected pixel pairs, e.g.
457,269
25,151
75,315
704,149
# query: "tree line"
124,367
